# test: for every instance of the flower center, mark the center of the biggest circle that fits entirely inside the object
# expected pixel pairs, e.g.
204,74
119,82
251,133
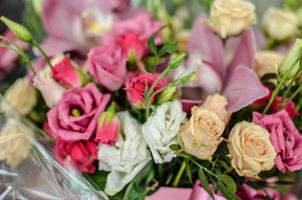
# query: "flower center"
76,112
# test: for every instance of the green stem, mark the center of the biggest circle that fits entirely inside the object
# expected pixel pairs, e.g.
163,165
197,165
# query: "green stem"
278,88
299,89
179,174
35,44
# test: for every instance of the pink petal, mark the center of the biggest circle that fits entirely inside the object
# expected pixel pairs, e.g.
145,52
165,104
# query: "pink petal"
204,41
53,46
244,49
243,88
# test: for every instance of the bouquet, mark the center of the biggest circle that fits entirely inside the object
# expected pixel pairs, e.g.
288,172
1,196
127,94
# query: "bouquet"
158,100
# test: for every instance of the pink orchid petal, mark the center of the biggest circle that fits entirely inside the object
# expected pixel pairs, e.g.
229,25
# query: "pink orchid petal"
243,88
245,48
205,42
53,46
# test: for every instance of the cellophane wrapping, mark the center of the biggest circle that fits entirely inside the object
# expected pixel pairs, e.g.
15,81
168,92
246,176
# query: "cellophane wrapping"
38,176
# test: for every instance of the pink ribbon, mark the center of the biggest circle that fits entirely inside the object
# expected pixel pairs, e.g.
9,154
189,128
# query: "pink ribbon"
195,193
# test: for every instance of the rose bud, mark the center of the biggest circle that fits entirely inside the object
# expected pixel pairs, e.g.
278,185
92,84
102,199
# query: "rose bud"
136,86
108,127
133,46
65,73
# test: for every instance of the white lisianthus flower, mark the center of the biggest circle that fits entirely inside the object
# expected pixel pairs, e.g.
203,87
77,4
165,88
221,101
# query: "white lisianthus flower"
21,96
126,158
160,130
51,90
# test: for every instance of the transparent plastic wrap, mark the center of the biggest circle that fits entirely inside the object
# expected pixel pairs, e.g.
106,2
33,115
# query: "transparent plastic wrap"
27,168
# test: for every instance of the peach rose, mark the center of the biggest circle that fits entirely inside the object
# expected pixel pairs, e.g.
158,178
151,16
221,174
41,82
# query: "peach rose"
231,17
201,135
251,150
267,62
218,103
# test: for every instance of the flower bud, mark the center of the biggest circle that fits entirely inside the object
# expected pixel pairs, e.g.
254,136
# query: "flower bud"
291,64
167,95
20,31
108,127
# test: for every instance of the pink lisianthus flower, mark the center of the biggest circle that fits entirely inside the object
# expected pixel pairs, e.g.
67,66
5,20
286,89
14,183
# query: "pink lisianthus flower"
80,154
107,64
75,116
289,106
107,129
65,73
285,138
135,87
8,57
132,44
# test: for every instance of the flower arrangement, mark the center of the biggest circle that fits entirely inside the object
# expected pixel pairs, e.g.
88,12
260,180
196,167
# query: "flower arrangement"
145,106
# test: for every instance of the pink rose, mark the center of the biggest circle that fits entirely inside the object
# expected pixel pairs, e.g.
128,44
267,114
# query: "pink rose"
289,106
108,128
285,138
135,87
66,74
8,57
107,64
80,154
75,116
131,43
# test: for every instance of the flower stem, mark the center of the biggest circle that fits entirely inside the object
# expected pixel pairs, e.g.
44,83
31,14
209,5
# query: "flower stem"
35,44
179,174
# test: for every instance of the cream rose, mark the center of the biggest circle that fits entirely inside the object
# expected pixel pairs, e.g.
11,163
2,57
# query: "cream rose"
218,103
267,62
15,142
201,135
231,17
280,24
21,96
251,150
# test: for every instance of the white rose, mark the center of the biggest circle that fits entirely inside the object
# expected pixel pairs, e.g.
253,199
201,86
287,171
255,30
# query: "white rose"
15,142
21,96
126,158
51,90
231,17
280,24
267,62
160,130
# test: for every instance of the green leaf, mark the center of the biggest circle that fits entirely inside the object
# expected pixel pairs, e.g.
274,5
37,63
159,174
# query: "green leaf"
176,62
229,183
188,170
151,44
182,81
20,31
229,195
168,48
204,182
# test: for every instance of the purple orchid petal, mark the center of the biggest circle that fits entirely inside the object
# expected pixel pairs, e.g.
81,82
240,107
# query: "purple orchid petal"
205,42
244,50
243,88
